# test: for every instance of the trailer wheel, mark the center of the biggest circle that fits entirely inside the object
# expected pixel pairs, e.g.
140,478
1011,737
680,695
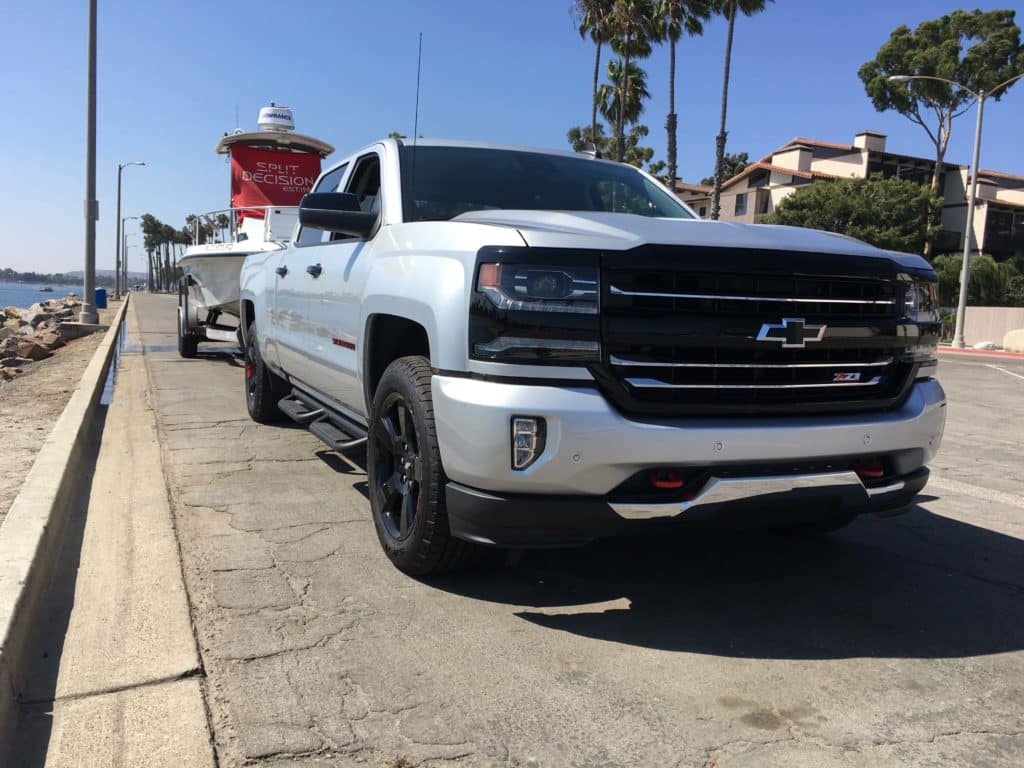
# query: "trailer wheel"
188,344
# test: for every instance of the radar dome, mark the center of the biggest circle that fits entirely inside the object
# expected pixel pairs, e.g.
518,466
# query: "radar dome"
275,118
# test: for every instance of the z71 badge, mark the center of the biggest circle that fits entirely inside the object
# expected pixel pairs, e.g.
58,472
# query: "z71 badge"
845,377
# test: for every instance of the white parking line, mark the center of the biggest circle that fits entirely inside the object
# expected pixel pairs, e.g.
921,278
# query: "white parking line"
1010,373
977,491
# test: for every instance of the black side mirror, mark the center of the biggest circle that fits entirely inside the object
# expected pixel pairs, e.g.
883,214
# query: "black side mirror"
336,212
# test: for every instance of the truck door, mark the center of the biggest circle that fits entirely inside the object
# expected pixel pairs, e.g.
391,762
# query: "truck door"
335,309
295,286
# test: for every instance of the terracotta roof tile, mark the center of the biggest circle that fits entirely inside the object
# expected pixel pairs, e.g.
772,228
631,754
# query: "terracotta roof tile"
700,188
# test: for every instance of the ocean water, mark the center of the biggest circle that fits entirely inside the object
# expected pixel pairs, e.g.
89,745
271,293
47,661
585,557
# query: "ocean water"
27,294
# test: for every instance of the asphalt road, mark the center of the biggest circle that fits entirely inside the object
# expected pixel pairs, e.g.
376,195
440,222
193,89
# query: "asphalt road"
894,642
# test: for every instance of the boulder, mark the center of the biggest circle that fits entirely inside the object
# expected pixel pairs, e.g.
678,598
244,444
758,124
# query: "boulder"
9,312
36,318
14,362
15,324
50,339
31,349
9,347
1013,341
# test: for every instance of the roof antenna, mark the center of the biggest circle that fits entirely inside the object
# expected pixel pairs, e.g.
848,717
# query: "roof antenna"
416,122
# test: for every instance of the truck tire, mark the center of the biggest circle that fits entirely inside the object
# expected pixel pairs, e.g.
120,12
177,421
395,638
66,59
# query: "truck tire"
405,477
188,345
263,388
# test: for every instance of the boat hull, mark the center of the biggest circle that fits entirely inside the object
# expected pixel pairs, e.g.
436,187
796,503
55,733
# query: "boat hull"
212,281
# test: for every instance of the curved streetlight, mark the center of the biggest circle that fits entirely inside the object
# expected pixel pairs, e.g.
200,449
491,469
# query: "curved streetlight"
965,269
117,255
123,273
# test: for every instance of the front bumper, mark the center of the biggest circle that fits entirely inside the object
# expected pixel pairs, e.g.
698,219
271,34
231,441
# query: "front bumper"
591,448
527,520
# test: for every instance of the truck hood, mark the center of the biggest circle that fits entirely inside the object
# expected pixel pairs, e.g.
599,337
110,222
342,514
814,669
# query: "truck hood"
623,231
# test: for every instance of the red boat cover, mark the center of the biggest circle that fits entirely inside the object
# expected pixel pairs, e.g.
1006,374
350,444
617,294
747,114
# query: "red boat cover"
270,177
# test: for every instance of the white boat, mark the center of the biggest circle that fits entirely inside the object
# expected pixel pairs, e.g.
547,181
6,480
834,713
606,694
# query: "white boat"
271,169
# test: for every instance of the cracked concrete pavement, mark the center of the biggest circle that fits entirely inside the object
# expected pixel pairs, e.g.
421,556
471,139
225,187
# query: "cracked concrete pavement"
895,642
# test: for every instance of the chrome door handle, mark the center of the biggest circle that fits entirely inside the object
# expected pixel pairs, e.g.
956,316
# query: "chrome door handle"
314,270
282,270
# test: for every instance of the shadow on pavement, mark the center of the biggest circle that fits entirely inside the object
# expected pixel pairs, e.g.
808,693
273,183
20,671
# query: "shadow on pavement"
35,723
920,586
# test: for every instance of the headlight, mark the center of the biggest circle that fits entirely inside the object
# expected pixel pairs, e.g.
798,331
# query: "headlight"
921,302
512,286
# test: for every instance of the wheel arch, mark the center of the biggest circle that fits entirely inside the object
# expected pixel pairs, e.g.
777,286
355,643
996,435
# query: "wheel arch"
386,338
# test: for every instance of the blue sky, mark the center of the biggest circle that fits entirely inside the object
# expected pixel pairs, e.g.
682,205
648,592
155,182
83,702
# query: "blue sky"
172,74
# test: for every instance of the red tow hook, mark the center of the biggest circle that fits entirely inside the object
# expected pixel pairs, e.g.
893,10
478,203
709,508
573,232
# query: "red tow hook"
869,469
666,479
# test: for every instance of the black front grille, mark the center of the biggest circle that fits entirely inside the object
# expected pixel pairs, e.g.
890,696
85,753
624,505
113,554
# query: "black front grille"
687,343
701,293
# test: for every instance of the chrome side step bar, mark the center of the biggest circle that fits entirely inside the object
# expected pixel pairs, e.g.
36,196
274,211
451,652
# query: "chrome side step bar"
339,432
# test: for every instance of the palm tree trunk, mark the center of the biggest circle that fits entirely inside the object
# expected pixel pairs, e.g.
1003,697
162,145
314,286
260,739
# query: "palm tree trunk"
593,99
620,129
167,266
149,270
716,201
670,121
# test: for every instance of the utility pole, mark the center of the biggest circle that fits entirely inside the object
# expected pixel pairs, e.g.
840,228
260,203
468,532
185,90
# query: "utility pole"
965,267
88,312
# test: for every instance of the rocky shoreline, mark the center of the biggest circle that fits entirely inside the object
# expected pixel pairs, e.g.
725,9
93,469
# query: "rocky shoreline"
29,335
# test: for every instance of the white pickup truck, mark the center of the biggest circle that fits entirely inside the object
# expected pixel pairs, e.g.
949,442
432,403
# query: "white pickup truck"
539,348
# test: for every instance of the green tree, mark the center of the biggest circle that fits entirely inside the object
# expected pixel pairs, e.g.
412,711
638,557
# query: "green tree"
976,48
580,138
622,99
635,26
675,17
993,283
732,164
729,9
890,213
595,18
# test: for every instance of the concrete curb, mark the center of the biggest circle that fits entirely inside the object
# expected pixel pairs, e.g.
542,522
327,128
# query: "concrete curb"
32,530
981,353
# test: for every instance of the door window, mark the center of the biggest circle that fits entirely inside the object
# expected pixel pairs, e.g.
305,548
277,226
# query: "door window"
329,183
364,183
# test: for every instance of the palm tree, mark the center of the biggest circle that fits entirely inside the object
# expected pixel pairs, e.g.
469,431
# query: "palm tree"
628,87
728,8
635,24
674,18
595,18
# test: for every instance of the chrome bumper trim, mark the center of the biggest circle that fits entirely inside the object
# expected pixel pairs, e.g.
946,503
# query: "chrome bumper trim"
722,490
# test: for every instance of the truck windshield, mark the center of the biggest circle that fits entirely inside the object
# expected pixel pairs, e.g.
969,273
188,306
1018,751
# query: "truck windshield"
440,183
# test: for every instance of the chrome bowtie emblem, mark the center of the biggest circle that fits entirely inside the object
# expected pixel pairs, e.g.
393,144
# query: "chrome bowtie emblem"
792,332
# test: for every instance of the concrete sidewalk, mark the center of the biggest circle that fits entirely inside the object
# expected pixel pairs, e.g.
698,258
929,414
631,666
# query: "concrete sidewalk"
119,677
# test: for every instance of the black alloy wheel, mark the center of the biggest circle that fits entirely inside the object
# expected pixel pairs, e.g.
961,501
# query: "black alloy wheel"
263,388
398,476
405,477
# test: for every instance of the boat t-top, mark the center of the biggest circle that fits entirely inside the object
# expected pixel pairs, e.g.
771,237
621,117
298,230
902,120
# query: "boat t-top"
271,169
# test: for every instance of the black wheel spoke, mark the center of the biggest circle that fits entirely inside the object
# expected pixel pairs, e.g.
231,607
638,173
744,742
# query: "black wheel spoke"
403,427
385,432
417,469
406,512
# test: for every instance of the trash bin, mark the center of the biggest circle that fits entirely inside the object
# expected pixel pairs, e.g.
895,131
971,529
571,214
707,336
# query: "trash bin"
101,298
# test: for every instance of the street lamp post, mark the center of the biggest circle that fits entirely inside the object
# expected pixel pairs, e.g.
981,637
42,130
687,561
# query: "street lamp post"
965,268
120,225
88,313
122,273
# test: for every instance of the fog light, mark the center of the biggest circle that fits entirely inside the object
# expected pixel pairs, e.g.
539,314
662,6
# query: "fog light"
528,433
